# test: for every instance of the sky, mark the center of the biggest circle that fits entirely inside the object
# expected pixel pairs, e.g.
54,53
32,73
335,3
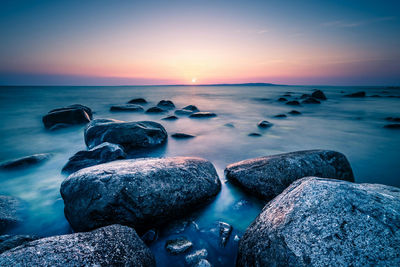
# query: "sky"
341,42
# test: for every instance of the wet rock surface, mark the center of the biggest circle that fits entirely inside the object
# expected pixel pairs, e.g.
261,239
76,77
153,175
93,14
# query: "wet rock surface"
202,115
102,153
266,177
310,100
282,99
71,115
318,94
166,104
196,256
392,126
25,162
137,101
293,103
264,124
177,246
326,222
280,116
182,136
142,193
9,213
254,134
357,94
294,112
130,135
11,241
183,112
113,245
155,110
170,118
225,231
127,107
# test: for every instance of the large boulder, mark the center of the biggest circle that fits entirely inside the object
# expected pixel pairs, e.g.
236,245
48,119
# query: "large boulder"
71,115
11,241
25,162
266,177
102,153
9,212
166,104
140,193
130,135
114,245
326,222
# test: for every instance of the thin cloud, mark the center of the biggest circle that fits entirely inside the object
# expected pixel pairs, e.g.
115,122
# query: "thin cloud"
352,24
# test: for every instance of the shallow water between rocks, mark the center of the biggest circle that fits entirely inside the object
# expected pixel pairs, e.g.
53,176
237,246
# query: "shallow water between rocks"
353,126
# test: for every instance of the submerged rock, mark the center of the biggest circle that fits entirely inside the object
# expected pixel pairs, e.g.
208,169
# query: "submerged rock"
264,124
25,162
225,231
142,193
71,115
11,241
177,246
9,213
203,263
254,134
202,115
166,104
357,94
192,108
170,118
304,96
183,112
130,135
394,119
137,101
155,110
293,103
282,99
196,256
392,126
310,100
150,236
268,176
280,116
127,107
318,94
294,112
102,153
326,222
114,245
182,136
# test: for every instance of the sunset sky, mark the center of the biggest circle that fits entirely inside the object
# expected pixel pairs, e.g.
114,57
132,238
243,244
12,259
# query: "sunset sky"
180,42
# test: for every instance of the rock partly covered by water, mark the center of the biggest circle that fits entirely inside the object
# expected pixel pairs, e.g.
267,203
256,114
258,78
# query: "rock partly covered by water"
268,176
225,230
318,94
196,256
71,115
294,112
392,126
24,162
311,100
166,104
293,103
264,124
155,110
170,118
102,153
202,115
127,107
9,212
114,245
177,246
357,94
326,222
141,193
137,101
11,241
130,135
182,136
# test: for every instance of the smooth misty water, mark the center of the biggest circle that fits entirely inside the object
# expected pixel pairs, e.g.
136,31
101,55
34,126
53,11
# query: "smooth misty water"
351,126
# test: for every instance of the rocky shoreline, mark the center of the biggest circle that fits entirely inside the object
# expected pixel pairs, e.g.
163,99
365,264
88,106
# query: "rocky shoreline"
315,214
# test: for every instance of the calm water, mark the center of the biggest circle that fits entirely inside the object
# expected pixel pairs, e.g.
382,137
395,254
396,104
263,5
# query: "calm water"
351,126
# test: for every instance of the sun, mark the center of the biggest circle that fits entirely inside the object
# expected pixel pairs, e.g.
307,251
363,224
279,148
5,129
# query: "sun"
194,80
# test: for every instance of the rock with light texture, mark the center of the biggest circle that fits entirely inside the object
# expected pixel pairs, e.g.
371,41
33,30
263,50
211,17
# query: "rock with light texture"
196,256
326,222
102,153
114,245
11,241
9,213
266,177
130,135
141,193
178,246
